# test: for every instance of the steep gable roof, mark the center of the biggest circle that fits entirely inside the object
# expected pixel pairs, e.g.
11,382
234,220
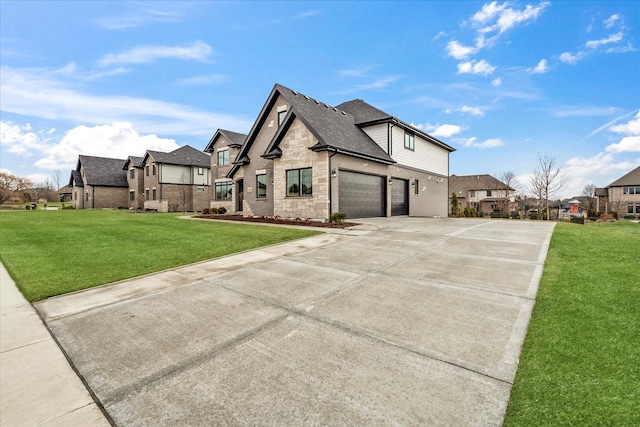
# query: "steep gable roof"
363,112
103,171
632,178
474,182
235,139
134,161
184,156
76,179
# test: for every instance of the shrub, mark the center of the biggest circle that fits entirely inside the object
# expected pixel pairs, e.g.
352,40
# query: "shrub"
213,211
338,217
205,211
629,217
222,210
470,212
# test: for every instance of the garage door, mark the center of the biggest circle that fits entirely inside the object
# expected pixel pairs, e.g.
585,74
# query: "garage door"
399,197
361,195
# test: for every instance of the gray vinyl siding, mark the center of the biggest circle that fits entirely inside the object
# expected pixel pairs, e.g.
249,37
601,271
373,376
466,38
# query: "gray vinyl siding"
426,156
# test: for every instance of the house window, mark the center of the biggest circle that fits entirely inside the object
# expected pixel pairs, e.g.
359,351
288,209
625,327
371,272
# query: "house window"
261,186
472,193
630,209
299,182
200,190
638,208
281,115
147,170
132,196
223,158
146,194
416,187
132,173
488,193
409,141
154,193
154,171
86,196
200,171
223,190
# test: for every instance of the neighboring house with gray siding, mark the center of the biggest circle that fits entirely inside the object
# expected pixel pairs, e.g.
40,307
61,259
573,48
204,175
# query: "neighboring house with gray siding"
623,194
99,182
174,181
305,159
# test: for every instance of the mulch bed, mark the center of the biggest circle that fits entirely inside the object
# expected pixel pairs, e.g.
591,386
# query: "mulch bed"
273,220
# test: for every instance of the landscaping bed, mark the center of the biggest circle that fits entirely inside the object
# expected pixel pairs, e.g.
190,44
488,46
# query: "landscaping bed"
278,220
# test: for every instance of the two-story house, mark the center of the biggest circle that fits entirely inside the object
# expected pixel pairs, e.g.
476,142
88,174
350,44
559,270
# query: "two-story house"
484,193
171,182
305,159
98,182
623,194
135,178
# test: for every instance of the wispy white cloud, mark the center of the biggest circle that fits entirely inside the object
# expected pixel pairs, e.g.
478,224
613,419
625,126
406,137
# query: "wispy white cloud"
357,72
630,142
496,82
613,38
39,93
584,111
444,131
376,84
197,51
569,58
476,67
459,51
495,18
308,14
611,21
474,111
541,68
600,169
21,139
141,14
487,143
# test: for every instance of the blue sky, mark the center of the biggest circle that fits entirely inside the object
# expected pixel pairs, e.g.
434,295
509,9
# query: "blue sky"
499,81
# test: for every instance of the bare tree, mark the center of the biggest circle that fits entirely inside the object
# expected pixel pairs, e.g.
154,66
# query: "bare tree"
11,185
57,179
509,186
547,180
589,199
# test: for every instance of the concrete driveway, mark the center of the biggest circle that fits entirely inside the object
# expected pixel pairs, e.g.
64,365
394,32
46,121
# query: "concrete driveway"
416,322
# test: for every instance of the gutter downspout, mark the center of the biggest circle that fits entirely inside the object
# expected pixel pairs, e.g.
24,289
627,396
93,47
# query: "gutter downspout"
330,186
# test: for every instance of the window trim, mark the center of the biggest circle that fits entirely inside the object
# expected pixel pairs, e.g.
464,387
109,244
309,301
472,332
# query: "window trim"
225,157
258,194
132,195
281,116
146,170
411,145
299,182
200,170
229,191
416,189
132,173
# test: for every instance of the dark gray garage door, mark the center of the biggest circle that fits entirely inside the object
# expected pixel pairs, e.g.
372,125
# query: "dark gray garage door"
399,197
361,195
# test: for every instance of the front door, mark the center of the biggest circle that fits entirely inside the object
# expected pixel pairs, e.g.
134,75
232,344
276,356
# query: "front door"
239,194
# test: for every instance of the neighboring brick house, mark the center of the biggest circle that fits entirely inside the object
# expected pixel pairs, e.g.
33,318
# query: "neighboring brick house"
224,147
98,182
623,194
135,177
484,193
303,158
174,181
66,193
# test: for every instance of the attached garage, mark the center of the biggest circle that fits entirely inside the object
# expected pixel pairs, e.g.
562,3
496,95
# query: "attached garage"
361,195
399,197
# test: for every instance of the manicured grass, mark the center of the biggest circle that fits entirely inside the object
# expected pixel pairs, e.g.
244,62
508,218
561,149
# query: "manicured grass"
580,364
54,252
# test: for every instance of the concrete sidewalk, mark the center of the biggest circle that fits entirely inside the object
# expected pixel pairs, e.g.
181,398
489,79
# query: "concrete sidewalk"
38,387
419,322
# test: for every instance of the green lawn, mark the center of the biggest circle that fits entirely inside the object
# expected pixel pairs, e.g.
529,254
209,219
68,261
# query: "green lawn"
580,364
54,252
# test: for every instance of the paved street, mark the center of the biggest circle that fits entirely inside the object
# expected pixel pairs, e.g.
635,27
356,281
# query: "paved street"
412,321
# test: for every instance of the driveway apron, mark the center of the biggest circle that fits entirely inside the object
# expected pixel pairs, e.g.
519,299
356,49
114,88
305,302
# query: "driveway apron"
417,322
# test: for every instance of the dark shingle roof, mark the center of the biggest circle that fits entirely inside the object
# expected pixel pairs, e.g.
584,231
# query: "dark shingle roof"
134,160
334,128
234,138
474,182
76,179
185,156
103,171
363,112
632,178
